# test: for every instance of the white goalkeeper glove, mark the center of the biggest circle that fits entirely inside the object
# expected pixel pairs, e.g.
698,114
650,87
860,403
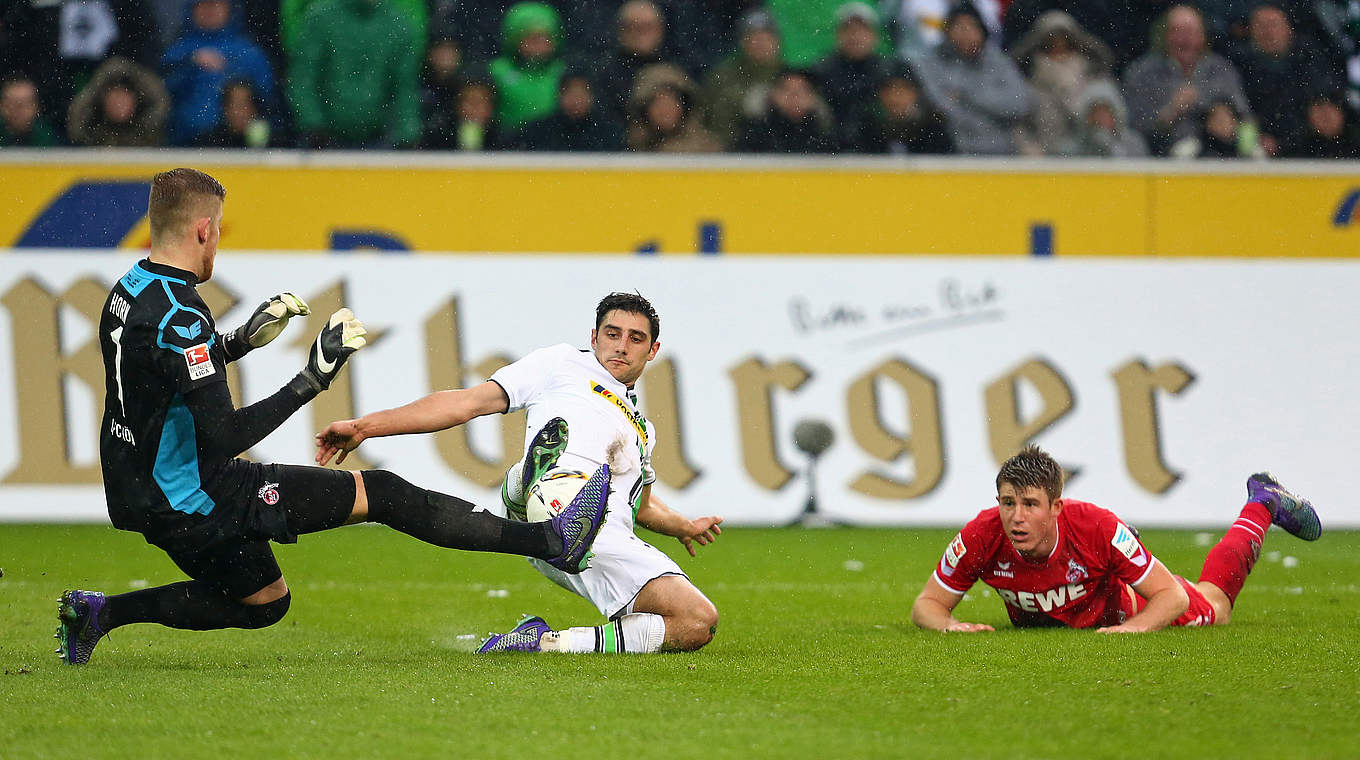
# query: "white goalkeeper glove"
342,336
264,324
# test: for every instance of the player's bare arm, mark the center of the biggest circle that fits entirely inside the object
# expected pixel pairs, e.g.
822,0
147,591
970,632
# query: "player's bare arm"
933,610
655,516
438,411
1166,601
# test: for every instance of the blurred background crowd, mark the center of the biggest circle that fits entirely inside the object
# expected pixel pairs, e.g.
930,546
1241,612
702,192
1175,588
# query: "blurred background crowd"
1219,78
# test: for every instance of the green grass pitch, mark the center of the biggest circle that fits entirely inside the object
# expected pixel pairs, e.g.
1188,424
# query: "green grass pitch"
815,657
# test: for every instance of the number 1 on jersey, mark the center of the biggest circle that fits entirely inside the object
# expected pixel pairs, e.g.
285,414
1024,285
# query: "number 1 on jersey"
117,335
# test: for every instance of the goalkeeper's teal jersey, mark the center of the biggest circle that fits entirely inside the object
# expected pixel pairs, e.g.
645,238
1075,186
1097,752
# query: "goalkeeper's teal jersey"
159,343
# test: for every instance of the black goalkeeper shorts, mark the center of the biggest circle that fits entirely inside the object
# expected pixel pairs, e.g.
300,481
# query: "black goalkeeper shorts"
229,547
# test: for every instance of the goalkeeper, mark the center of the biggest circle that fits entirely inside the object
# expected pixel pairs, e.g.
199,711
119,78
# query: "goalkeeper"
584,408
171,436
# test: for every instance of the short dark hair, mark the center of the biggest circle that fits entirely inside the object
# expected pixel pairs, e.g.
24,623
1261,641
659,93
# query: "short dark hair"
632,303
174,195
1032,467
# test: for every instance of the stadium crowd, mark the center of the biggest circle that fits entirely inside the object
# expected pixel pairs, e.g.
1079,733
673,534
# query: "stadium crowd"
1219,78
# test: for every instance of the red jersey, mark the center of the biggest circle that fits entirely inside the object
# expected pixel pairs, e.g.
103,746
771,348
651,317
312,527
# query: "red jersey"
1083,583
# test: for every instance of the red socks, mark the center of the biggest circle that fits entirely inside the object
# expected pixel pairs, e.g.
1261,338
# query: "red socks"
1236,553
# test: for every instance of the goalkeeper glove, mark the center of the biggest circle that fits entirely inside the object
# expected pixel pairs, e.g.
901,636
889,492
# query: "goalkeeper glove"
342,336
264,325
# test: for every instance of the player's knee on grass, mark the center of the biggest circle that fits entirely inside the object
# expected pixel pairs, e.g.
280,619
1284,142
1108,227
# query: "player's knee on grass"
695,628
267,614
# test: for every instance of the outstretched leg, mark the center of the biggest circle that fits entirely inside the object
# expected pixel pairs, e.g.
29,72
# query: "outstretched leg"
1233,557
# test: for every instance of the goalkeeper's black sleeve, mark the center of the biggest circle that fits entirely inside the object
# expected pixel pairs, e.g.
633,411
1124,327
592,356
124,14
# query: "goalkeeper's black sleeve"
225,431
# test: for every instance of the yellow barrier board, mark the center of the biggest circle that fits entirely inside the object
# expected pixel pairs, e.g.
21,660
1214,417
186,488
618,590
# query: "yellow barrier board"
856,208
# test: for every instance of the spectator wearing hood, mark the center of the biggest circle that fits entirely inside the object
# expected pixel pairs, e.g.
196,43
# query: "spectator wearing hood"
902,121
982,94
212,51
737,88
1061,60
529,68
124,105
663,116
578,124
21,121
1329,130
1123,25
60,43
1102,128
355,76
848,75
1170,88
796,120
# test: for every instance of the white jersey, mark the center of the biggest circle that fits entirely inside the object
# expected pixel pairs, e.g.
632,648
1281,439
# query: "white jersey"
603,421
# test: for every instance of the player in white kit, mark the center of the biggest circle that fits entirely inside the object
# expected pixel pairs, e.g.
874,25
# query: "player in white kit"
582,413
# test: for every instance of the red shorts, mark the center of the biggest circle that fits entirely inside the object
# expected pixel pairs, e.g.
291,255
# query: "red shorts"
1200,612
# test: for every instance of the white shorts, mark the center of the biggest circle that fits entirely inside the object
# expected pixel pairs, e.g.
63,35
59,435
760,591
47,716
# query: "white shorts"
622,565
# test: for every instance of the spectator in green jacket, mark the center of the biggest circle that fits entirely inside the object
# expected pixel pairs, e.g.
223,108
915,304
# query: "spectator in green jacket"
736,89
292,14
529,68
355,76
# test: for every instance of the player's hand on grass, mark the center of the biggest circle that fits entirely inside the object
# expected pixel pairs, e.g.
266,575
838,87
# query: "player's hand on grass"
962,627
1125,628
704,530
340,437
342,336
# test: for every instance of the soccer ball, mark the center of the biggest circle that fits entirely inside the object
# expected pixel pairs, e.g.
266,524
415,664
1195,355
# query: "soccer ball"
553,492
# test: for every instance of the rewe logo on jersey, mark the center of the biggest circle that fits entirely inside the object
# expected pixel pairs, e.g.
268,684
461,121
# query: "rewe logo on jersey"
1043,601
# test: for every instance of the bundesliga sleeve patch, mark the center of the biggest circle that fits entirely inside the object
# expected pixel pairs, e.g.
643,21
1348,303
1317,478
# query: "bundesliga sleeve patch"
1128,545
955,552
199,361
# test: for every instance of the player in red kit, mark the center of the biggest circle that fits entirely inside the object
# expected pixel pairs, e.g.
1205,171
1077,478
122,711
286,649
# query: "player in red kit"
1061,562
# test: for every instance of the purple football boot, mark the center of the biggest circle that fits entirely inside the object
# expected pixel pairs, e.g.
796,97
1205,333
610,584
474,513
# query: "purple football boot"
1288,511
524,637
580,521
79,630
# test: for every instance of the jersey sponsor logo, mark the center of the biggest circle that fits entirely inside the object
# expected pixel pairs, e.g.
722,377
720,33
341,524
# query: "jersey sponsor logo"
1128,545
190,332
1043,601
1076,572
269,494
199,361
121,432
1003,570
636,419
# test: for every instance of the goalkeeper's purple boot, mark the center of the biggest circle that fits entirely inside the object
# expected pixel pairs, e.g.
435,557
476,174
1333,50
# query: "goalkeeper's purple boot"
580,522
524,637
79,630
1288,511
